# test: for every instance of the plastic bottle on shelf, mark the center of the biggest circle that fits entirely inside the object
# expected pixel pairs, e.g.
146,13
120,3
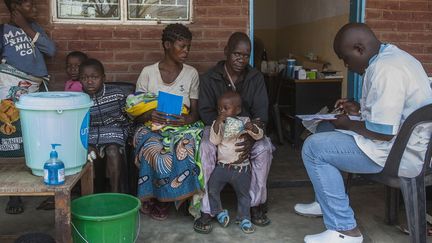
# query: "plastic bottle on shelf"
302,74
54,169
290,68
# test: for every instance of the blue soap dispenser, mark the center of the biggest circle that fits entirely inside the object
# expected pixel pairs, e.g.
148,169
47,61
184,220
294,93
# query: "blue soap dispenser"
54,170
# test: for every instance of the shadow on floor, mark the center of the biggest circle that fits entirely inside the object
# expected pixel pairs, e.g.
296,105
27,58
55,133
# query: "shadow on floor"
288,185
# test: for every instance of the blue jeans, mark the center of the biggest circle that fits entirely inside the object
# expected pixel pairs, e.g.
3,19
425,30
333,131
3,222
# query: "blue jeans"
325,154
325,126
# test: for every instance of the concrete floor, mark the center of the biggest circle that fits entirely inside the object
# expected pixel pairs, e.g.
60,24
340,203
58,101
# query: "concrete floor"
288,185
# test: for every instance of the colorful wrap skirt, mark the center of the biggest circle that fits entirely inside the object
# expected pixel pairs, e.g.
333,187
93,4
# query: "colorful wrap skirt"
170,164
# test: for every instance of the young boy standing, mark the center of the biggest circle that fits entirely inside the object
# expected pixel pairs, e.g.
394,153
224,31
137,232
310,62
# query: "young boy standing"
225,133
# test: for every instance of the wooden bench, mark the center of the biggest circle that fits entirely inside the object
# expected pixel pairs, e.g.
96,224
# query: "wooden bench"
16,180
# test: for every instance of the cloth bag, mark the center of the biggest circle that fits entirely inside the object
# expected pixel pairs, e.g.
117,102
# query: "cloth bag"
13,84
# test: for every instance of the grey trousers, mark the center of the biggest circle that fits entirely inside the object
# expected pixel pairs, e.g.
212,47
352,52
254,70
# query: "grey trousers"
239,179
260,157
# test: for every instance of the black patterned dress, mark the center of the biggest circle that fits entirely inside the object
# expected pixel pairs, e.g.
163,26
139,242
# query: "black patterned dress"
109,123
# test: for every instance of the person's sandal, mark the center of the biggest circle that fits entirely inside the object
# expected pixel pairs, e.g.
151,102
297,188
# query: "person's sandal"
258,217
202,225
403,228
246,226
146,207
14,205
223,218
159,212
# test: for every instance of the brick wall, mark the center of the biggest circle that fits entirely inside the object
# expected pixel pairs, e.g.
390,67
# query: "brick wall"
407,24
125,50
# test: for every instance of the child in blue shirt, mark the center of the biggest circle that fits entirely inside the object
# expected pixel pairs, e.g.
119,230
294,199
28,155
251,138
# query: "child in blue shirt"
24,42
23,46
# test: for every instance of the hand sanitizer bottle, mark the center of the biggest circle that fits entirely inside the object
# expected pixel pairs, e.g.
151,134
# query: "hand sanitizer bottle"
54,170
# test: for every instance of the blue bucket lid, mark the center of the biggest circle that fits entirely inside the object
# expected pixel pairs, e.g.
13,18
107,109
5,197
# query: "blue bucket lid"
54,101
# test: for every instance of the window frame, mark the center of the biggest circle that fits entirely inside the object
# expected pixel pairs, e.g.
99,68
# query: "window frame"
123,17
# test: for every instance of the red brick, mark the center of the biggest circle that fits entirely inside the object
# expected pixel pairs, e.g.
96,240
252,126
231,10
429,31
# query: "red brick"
234,22
223,43
84,45
137,67
430,6
422,37
245,11
424,58
205,45
126,34
59,56
382,24
210,2
412,48
218,34
56,65
205,56
397,15
223,11
428,27
61,45
373,14
422,16
146,45
413,6
129,56
427,48
151,33
428,68
115,44
97,34
61,78
200,12
411,26
65,34
43,20
116,67
234,2
103,56
206,22
130,77
126,81
390,5
394,36
109,77
152,56
197,34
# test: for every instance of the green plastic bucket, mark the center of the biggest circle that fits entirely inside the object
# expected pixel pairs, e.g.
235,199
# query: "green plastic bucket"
105,218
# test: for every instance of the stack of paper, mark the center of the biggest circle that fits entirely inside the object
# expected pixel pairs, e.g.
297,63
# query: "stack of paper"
324,117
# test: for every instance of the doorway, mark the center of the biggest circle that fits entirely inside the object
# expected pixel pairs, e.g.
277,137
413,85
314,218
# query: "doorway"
304,28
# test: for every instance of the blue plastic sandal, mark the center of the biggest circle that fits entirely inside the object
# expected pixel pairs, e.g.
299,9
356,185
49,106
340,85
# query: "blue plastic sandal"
247,227
223,218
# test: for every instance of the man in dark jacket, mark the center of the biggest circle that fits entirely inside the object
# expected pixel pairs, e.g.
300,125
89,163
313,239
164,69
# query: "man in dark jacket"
236,74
